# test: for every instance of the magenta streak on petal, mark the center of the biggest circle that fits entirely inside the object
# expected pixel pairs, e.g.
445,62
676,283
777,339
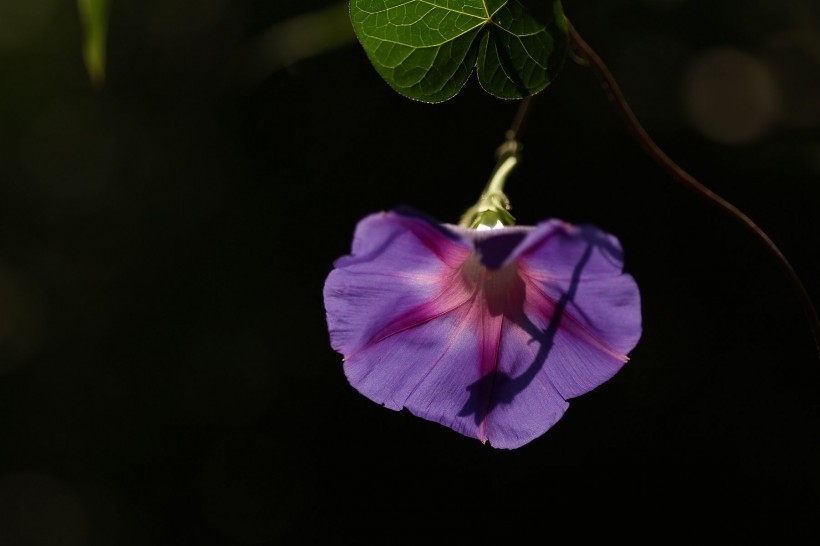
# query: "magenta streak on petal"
454,294
547,306
490,294
491,327
499,294
450,253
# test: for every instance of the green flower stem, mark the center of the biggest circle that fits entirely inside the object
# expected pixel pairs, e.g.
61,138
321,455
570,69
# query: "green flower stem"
493,207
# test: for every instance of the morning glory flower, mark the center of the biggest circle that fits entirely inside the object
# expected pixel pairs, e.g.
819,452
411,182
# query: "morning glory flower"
487,331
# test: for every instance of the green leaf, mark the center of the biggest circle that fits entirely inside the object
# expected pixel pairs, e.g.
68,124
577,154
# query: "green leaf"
427,49
94,15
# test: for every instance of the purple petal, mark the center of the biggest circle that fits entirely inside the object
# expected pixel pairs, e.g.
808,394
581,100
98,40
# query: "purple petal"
397,264
575,279
488,333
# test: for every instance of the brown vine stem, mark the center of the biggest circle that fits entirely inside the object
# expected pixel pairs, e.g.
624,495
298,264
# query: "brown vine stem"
517,126
584,54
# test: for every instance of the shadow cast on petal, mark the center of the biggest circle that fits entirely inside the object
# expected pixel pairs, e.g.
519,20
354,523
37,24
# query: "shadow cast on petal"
497,387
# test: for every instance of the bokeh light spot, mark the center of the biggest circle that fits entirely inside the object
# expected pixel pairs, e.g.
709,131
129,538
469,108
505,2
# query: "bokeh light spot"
730,97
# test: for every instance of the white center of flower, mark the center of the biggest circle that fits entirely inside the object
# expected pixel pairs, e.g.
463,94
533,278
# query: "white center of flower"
485,227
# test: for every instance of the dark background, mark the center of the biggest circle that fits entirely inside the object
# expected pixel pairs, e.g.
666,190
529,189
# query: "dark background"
165,371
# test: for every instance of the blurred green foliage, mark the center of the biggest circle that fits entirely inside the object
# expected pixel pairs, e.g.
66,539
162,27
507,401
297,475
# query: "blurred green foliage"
94,15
